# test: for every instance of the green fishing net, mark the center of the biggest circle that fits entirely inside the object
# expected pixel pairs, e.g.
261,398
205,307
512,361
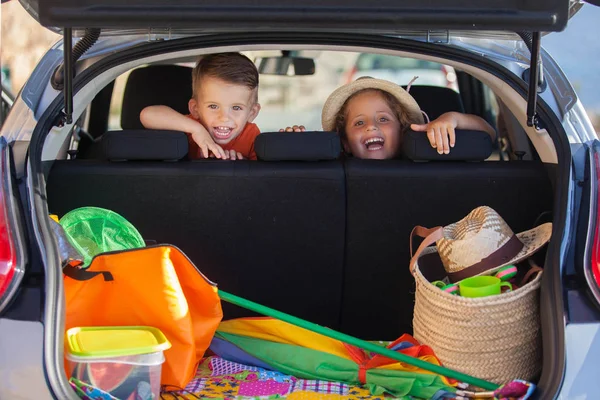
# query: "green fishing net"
93,230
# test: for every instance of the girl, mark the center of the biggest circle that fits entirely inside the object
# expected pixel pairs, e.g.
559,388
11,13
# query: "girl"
372,115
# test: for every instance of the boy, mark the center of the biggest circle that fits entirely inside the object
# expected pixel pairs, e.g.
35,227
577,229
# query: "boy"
223,105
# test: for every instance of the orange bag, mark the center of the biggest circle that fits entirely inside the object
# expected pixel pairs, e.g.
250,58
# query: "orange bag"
153,286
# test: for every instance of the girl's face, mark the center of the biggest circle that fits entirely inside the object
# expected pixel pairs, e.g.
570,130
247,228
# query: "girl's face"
372,128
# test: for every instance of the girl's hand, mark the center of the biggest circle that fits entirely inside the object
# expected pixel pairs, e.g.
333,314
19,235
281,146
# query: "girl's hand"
440,132
294,128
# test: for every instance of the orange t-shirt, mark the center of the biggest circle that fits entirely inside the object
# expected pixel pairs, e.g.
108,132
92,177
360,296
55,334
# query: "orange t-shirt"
243,144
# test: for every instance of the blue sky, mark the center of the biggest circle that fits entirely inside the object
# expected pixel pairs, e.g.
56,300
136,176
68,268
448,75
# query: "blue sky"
577,51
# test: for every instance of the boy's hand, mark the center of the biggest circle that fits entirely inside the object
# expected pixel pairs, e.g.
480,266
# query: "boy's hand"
440,132
207,145
233,155
294,128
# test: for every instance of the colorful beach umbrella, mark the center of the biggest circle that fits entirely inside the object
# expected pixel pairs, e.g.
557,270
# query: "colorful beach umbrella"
350,340
275,344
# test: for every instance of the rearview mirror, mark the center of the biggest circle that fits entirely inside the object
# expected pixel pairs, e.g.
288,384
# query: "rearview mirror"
285,65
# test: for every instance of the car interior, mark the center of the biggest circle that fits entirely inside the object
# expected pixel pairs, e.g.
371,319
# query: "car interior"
304,229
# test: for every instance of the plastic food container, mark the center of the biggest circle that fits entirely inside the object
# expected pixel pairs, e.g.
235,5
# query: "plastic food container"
116,362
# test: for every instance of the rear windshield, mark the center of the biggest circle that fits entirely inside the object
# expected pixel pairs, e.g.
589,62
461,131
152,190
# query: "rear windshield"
290,99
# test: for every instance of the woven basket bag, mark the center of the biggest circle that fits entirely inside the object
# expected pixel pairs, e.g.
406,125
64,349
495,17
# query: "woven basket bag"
496,338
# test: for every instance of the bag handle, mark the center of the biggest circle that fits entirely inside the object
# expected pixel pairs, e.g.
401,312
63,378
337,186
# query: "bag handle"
73,270
430,235
534,270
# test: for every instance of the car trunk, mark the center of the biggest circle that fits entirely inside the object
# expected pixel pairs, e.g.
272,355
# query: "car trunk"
327,241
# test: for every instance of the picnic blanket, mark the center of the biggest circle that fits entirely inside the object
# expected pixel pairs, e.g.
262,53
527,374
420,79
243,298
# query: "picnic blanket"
218,378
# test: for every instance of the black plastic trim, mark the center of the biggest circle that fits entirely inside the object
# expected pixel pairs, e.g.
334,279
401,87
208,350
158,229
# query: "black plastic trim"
535,68
380,15
592,290
552,304
91,36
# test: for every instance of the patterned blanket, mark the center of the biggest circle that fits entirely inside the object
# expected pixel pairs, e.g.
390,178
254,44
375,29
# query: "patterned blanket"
217,378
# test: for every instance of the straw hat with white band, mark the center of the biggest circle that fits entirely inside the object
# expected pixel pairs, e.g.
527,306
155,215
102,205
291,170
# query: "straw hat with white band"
336,100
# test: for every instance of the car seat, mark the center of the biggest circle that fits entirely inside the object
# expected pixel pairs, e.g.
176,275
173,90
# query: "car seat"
436,100
169,85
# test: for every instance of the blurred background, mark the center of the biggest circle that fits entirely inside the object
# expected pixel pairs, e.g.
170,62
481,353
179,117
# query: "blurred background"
22,45
577,50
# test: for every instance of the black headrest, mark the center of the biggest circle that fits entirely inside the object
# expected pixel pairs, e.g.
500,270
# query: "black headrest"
469,146
169,85
436,100
297,146
146,145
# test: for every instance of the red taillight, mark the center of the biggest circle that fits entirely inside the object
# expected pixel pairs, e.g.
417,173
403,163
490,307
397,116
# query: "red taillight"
596,272
8,257
7,253
595,264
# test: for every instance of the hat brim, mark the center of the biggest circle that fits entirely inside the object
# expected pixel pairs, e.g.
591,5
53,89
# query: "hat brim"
336,100
533,240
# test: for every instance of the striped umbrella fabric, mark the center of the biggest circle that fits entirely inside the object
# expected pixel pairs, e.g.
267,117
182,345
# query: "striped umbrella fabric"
278,345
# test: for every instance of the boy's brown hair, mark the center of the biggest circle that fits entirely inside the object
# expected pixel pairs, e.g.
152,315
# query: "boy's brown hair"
232,68
399,110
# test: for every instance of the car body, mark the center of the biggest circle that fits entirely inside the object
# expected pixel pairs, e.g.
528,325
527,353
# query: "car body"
489,61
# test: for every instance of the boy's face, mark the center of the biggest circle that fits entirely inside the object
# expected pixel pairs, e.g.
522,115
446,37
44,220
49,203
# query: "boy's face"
223,108
372,128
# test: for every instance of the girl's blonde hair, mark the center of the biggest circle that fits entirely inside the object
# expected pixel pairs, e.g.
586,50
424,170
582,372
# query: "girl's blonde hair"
399,110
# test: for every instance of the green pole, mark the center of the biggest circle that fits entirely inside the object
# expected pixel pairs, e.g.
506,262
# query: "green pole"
250,305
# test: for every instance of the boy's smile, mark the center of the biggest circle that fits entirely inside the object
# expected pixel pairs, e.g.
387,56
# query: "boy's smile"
224,108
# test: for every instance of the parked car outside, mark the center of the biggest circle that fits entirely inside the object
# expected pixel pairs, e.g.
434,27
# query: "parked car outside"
403,70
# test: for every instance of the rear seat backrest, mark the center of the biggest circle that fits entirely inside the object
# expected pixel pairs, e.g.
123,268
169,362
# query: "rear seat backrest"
304,237
270,232
169,85
386,199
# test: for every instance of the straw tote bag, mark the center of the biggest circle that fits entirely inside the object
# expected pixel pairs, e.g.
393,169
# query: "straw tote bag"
496,338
